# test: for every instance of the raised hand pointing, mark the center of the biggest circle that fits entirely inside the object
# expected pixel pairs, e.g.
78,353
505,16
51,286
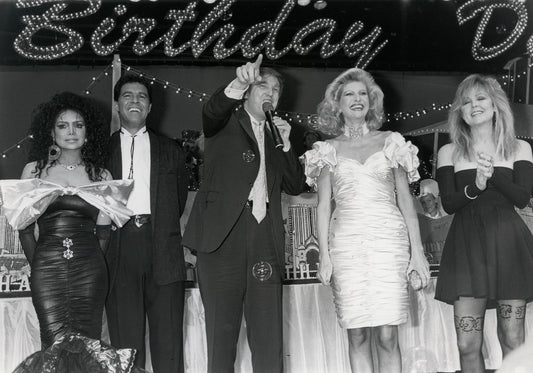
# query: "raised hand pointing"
249,73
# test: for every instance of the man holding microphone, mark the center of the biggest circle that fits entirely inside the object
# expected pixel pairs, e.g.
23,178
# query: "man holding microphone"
236,226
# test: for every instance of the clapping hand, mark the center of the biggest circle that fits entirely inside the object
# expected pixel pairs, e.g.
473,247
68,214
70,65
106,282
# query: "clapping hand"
485,169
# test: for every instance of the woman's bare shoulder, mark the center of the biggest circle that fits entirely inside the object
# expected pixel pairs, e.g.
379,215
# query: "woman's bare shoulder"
29,170
335,141
524,151
445,155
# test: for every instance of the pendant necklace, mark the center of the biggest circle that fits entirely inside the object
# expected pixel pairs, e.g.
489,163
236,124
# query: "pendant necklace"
69,167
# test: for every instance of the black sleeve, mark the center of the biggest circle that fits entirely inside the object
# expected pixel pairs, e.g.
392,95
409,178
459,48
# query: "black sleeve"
216,112
27,241
293,181
451,198
517,190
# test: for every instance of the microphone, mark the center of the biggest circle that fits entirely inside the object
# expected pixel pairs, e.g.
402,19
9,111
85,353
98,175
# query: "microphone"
268,109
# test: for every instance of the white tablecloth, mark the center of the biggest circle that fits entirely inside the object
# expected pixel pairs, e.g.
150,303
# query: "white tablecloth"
313,341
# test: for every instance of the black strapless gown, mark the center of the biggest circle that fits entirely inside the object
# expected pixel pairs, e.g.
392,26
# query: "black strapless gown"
69,284
68,293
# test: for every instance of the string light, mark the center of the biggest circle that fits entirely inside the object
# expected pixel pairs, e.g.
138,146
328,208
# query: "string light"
473,8
166,84
443,129
510,77
18,145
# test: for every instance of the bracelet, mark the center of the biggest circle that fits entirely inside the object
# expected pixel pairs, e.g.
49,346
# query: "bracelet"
466,194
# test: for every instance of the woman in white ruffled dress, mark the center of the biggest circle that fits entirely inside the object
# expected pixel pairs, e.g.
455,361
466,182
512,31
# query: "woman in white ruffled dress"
370,240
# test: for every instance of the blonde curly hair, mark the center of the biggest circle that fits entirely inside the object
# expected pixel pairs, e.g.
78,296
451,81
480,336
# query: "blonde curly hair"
330,119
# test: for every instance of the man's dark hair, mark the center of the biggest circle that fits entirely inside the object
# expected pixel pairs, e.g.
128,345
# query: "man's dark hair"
130,78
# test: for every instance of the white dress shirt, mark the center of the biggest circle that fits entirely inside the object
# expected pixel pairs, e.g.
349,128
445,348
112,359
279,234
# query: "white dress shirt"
139,201
259,188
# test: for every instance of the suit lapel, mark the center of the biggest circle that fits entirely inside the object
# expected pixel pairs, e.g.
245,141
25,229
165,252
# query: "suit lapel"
154,172
246,124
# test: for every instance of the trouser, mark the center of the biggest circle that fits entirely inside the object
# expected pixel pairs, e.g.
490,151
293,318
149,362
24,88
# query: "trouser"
243,274
135,295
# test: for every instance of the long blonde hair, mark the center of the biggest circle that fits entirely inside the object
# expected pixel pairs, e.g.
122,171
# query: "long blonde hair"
503,133
330,118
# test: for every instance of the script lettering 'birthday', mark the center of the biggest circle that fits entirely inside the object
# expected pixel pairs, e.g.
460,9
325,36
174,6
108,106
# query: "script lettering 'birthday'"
259,37
486,8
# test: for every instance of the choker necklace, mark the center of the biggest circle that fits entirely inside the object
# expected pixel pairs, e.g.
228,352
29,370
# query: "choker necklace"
356,132
69,167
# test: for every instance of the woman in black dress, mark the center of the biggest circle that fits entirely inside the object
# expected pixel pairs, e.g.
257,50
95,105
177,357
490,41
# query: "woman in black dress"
487,259
73,200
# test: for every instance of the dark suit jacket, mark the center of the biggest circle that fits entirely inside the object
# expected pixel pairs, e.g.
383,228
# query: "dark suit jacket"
168,194
229,174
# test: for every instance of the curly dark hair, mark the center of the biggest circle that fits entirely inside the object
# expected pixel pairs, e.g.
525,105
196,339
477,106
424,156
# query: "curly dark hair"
93,153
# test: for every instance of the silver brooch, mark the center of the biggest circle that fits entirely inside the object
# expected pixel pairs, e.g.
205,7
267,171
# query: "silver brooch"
262,271
248,156
68,254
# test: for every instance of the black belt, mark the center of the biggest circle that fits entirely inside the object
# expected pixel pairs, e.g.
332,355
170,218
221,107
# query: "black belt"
250,204
139,220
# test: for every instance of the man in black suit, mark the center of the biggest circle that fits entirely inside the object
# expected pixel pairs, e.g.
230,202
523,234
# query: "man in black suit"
236,225
145,257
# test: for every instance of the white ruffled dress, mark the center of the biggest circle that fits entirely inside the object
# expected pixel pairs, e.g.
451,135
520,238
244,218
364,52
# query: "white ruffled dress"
368,238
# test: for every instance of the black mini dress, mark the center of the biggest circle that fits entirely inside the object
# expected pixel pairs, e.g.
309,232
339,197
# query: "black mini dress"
488,252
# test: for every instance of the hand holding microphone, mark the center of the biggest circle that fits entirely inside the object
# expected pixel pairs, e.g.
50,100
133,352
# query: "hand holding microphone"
268,109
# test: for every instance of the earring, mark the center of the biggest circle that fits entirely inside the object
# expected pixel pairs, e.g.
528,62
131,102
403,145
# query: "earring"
54,152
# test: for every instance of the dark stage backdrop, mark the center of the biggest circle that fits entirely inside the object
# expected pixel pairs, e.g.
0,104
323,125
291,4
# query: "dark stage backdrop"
23,88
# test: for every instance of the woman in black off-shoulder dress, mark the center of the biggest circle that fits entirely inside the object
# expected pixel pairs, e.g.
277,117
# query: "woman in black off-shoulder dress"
72,200
487,260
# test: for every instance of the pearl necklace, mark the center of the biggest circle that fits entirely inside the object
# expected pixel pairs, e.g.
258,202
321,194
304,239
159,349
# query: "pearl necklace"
69,167
356,132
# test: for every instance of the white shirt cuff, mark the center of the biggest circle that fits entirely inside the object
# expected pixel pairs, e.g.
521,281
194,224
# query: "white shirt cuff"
234,93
